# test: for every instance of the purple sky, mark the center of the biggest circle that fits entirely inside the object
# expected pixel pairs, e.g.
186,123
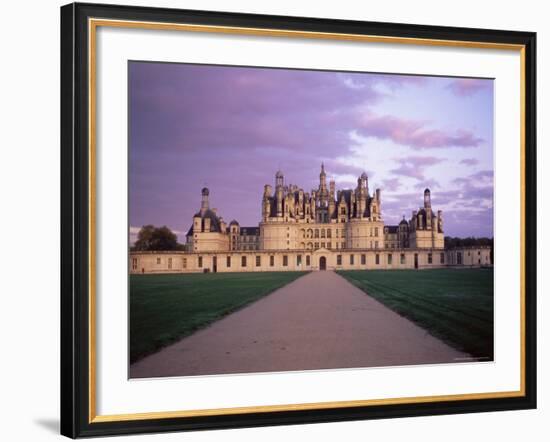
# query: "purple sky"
231,128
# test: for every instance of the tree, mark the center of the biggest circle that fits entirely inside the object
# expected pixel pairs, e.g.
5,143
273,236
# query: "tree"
144,238
151,238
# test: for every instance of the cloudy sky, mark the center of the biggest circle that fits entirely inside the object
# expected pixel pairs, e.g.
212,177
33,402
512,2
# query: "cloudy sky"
231,128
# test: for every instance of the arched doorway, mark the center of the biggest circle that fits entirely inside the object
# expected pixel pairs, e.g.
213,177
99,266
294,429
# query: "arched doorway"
322,263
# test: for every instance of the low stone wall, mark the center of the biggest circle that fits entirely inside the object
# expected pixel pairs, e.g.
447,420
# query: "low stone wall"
306,260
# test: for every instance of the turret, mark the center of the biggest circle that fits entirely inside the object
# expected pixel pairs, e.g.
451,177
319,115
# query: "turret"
204,202
279,179
365,182
427,199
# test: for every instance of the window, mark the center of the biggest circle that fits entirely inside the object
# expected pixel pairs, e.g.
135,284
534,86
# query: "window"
329,245
351,259
134,263
377,259
429,258
271,261
158,260
339,260
363,259
390,259
329,233
299,260
308,260
285,260
343,246
316,233
228,261
322,233
342,210
316,245
459,258
323,244
243,261
200,261
402,258
169,263
376,231
184,264
343,234
258,261
375,244
442,258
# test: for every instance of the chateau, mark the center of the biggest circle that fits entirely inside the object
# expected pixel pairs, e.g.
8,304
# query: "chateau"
317,230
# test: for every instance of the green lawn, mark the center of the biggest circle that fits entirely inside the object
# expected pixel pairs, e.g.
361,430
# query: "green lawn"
456,305
165,308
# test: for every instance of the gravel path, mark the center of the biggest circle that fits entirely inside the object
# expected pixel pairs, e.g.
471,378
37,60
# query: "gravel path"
318,321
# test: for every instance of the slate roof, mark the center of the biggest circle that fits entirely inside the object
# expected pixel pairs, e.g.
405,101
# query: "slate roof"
215,224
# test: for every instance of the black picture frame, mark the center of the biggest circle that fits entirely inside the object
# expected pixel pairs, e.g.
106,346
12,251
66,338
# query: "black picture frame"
76,402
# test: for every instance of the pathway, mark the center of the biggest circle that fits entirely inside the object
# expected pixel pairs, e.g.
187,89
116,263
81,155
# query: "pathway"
318,321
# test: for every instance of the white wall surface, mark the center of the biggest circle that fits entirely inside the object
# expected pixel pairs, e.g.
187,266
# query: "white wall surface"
29,221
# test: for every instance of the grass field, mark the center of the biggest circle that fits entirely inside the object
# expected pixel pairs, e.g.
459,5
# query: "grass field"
165,308
455,305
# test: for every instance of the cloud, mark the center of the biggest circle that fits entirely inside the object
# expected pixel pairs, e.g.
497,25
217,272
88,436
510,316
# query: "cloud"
383,82
391,184
465,87
413,133
469,161
427,183
176,107
414,166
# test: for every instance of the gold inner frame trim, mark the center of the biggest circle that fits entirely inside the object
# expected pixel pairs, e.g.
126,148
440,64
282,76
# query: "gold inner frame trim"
93,24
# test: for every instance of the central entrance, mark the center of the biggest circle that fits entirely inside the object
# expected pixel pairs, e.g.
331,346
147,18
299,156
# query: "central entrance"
322,263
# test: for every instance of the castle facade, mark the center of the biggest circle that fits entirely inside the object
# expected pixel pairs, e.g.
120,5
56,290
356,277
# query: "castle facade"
316,230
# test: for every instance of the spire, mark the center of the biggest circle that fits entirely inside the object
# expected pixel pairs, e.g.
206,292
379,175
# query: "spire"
322,180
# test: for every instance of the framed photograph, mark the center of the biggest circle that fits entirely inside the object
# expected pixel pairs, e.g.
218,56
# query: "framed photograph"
273,220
